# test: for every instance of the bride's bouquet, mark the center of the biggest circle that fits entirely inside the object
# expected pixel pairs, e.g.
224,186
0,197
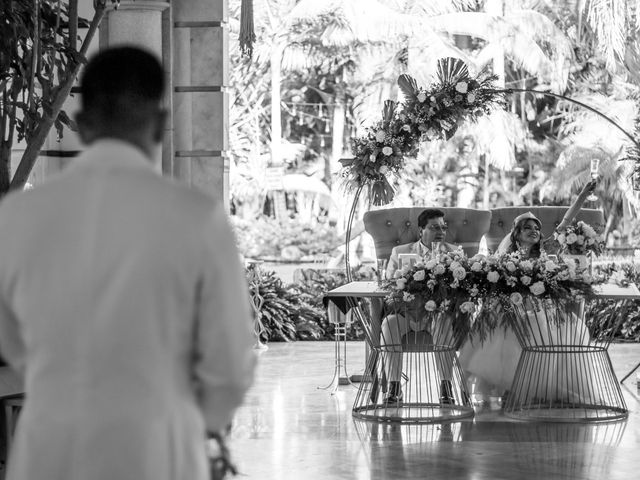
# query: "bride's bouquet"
580,238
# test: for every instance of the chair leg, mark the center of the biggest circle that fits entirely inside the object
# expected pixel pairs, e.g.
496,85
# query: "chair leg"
629,374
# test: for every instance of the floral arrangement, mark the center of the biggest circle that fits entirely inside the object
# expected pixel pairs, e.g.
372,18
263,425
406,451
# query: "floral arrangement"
451,282
580,238
427,114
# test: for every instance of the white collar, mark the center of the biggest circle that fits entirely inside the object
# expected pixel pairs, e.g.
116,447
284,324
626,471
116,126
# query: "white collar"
111,152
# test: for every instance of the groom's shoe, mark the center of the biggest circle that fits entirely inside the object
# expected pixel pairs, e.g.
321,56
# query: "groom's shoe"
394,396
446,393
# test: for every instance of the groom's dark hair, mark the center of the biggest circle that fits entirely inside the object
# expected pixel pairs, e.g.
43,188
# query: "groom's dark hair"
427,214
119,84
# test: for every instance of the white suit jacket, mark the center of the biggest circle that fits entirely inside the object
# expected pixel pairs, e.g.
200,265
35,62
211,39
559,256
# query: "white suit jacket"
413,247
123,301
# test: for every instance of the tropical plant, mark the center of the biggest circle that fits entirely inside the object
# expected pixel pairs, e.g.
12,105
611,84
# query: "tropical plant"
40,58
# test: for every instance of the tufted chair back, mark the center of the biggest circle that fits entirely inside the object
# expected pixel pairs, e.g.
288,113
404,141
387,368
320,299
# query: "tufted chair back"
395,226
502,220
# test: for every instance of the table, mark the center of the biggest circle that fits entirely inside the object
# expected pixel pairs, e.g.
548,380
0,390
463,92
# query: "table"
425,361
564,373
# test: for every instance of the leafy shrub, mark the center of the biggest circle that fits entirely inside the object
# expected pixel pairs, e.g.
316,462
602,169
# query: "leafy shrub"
629,328
295,311
266,238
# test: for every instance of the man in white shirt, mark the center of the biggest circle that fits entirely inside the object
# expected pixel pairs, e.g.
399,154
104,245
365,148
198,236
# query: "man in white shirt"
122,300
432,229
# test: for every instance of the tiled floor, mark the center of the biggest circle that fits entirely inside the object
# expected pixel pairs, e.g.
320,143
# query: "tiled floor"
290,429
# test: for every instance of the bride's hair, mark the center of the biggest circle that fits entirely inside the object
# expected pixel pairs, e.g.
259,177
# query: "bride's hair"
536,248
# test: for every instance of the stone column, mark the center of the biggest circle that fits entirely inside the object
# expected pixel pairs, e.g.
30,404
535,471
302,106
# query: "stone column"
200,99
142,23
146,24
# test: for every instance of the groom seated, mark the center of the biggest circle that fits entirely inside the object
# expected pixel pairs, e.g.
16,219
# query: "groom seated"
432,230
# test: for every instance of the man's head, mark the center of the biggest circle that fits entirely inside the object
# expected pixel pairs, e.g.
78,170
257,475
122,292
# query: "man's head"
122,91
431,226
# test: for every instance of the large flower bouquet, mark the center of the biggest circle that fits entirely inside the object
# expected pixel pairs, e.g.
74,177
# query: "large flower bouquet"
427,114
478,288
580,238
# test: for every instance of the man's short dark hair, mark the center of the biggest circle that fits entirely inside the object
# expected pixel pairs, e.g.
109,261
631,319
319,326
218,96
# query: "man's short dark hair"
427,214
118,80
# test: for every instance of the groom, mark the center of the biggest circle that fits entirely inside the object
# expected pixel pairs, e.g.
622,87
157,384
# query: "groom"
431,228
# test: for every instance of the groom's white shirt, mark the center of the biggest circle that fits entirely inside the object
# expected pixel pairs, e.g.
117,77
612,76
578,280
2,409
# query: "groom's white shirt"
123,301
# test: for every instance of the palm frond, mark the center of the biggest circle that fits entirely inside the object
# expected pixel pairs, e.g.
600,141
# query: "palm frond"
451,70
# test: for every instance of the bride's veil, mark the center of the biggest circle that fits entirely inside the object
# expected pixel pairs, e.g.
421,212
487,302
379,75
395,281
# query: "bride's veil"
505,244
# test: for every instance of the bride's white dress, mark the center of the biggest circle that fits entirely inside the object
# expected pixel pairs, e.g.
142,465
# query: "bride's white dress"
491,364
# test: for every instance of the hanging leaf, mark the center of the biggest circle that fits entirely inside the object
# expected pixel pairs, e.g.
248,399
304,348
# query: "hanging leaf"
452,70
408,87
381,192
387,112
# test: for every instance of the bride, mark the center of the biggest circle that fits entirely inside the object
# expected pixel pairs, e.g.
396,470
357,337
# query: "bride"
491,364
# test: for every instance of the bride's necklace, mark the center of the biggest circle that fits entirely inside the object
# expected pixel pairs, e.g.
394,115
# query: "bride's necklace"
524,250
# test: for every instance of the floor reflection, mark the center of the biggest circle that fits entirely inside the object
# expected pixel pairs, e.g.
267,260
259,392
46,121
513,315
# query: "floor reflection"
288,429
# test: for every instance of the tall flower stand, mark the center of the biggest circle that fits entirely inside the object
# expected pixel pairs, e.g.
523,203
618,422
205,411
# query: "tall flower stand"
564,373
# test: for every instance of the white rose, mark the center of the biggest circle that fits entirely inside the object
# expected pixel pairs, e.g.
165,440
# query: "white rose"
400,283
430,306
550,265
430,264
383,170
454,264
467,307
459,273
511,267
422,97
561,238
526,265
462,87
526,280
537,288
471,98
387,151
380,136
571,238
419,276
563,275
439,269
588,231
493,277
476,267
474,291
515,298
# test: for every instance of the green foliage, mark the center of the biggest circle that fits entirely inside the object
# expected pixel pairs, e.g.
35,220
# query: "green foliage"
35,57
266,237
295,311
629,327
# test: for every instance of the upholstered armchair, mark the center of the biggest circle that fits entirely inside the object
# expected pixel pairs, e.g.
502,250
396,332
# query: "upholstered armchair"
396,226
502,221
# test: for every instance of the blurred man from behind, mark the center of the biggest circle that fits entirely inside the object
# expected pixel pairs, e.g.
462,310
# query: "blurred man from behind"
122,300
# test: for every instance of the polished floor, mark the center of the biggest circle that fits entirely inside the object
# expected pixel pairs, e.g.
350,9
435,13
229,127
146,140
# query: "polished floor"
288,428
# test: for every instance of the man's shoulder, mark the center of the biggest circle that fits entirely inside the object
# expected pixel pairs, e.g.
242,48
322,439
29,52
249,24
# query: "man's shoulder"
405,247
451,247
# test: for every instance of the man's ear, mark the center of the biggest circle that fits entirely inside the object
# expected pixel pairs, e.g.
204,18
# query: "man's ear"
85,128
159,126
